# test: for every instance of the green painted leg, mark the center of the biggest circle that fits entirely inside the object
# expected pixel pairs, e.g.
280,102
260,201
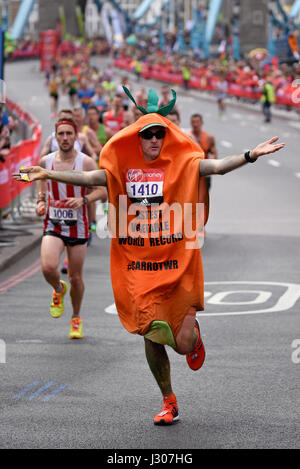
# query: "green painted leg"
159,364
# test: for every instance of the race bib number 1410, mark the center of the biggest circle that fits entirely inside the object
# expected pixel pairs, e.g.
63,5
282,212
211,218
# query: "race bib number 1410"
145,186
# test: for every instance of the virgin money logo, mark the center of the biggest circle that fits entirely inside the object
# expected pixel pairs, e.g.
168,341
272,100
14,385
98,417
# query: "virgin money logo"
135,175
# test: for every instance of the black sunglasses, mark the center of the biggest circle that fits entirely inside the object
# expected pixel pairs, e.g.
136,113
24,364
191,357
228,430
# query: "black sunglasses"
148,135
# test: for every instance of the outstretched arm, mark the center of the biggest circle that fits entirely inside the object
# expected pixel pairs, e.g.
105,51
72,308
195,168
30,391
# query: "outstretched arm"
230,163
75,178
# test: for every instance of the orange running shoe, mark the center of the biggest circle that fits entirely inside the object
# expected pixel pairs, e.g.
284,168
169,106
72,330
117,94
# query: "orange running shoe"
76,329
196,357
169,412
57,304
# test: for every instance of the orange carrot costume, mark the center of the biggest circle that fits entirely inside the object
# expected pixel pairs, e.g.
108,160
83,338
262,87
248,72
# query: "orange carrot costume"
154,276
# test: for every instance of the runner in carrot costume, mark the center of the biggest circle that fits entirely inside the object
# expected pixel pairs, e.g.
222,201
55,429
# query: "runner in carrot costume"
152,168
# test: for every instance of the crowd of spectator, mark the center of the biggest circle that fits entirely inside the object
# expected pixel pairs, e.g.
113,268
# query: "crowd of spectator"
8,125
245,78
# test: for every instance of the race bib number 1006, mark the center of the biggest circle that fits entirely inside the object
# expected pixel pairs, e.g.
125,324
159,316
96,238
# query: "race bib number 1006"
62,215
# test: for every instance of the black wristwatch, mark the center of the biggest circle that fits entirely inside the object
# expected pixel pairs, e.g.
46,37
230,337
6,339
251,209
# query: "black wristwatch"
85,200
247,157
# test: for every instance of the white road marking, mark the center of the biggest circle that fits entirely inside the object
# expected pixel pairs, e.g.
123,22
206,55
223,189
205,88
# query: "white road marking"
111,309
285,301
207,294
226,144
296,125
274,163
29,341
261,297
297,175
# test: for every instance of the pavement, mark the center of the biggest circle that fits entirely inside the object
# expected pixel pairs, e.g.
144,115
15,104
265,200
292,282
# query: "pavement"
20,230
16,242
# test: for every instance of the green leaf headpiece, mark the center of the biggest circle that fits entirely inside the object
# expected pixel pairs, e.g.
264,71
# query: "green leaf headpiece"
152,105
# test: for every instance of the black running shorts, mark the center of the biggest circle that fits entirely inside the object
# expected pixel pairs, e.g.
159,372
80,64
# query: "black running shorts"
67,241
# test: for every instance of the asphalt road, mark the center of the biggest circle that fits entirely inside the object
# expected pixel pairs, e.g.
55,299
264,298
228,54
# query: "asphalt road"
98,392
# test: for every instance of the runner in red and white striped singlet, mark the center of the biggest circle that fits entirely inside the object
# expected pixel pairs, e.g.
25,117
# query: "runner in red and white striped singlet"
60,192
66,223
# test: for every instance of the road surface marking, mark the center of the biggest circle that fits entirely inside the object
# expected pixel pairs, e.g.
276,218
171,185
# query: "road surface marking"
39,391
25,390
226,144
53,393
296,125
15,277
21,276
285,302
274,163
29,341
261,297
297,175
111,309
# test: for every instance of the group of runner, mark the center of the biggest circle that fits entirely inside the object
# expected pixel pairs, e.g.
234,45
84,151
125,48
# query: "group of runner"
96,118
158,285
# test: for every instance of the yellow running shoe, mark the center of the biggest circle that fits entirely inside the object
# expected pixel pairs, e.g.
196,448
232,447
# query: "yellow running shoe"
76,329
57,304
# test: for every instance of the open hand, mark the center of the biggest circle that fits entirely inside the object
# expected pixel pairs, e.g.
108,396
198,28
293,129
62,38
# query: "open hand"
267,147
34,173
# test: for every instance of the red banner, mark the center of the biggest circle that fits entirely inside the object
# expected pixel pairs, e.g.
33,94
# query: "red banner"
48,48
26,153
284,95
5,184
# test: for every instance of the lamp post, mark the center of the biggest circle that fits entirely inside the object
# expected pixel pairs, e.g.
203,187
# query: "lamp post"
236,30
